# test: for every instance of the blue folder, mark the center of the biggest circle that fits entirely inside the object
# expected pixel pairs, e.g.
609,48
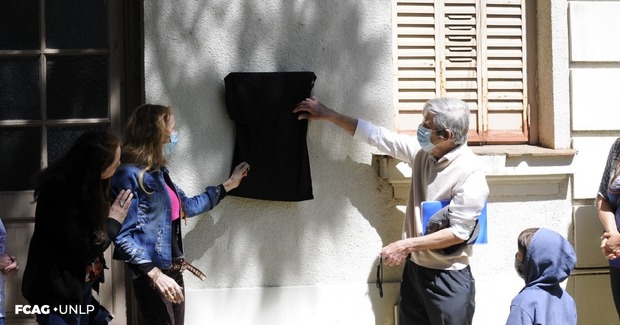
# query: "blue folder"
429,208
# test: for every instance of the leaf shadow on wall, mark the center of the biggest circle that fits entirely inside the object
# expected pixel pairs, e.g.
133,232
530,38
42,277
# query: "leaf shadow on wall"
248,243
315,242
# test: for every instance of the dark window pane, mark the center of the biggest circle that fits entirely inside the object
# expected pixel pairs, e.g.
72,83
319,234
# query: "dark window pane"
75,24
19,25
77,87
60,139
19,86
20,149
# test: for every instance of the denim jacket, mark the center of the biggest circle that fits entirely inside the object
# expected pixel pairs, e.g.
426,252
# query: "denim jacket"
146,233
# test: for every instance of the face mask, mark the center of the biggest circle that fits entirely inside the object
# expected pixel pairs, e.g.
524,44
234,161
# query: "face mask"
170,146
519,268
424,138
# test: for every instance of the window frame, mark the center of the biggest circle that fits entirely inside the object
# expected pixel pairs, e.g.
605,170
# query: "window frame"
407,123
125,92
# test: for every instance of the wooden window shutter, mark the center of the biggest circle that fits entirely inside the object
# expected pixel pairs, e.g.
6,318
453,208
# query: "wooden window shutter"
469,49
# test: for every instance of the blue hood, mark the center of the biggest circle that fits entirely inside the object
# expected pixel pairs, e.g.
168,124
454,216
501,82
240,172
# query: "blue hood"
549,260
551,251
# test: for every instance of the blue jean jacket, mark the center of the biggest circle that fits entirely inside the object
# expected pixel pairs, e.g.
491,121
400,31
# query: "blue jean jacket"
146,233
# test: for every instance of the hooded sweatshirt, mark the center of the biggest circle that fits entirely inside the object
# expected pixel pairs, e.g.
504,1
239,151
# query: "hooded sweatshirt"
549,260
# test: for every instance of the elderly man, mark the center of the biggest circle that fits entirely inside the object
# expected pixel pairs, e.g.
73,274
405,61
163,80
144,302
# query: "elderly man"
437,285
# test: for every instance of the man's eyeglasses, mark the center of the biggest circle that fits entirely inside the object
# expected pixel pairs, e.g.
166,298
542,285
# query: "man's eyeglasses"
380,276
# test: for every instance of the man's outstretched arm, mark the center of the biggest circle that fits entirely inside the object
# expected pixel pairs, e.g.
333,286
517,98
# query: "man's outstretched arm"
312,109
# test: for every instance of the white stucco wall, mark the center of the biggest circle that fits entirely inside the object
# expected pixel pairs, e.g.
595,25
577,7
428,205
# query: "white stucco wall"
314,262
323,251
594,65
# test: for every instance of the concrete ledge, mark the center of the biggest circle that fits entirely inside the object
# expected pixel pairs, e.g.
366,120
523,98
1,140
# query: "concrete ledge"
526,170
520,150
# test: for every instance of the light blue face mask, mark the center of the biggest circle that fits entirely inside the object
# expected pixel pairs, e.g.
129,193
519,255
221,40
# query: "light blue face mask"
170,146
424,138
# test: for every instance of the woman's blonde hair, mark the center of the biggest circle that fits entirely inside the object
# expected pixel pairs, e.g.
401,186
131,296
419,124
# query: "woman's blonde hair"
145,133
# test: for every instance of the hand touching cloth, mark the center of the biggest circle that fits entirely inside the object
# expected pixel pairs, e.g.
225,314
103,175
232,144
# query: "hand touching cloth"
238,174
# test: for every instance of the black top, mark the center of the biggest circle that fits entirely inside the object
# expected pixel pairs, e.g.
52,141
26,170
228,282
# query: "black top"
61,247
269,136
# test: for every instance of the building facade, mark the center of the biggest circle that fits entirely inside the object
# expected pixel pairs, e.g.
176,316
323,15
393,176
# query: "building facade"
540,77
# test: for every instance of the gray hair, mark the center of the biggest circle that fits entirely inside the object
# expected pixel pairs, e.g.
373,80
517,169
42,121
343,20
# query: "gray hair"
449,113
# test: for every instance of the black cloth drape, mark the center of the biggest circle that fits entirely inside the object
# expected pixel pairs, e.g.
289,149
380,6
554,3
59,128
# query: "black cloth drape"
269,136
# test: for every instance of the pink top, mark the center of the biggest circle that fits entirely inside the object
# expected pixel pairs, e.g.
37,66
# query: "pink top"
176,206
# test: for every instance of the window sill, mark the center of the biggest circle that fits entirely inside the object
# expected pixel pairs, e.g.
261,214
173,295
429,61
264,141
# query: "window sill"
521,150
517,165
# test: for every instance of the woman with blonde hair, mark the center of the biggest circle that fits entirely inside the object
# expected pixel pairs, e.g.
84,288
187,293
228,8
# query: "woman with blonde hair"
150,239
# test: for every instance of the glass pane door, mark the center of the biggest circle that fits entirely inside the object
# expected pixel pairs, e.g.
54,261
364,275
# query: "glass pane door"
58,78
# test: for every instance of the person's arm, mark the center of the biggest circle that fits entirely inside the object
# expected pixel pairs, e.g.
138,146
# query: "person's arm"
118,213
208,199
400,146
395,253
312,109
113,227
126,246
466,205
467,202
606,214
167,286
610,241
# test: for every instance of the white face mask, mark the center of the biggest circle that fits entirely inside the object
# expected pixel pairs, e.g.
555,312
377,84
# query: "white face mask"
170,146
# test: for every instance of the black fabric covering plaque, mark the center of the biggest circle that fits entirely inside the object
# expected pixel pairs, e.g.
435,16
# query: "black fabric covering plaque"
269,136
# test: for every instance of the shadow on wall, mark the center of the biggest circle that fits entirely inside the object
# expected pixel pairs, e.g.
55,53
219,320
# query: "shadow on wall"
278,244
190,48
277,229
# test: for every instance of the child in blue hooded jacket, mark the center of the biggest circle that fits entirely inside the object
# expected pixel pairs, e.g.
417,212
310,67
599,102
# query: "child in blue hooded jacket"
544,259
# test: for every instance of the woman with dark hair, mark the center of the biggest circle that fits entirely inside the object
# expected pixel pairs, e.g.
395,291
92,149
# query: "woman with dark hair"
150,239
65,258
